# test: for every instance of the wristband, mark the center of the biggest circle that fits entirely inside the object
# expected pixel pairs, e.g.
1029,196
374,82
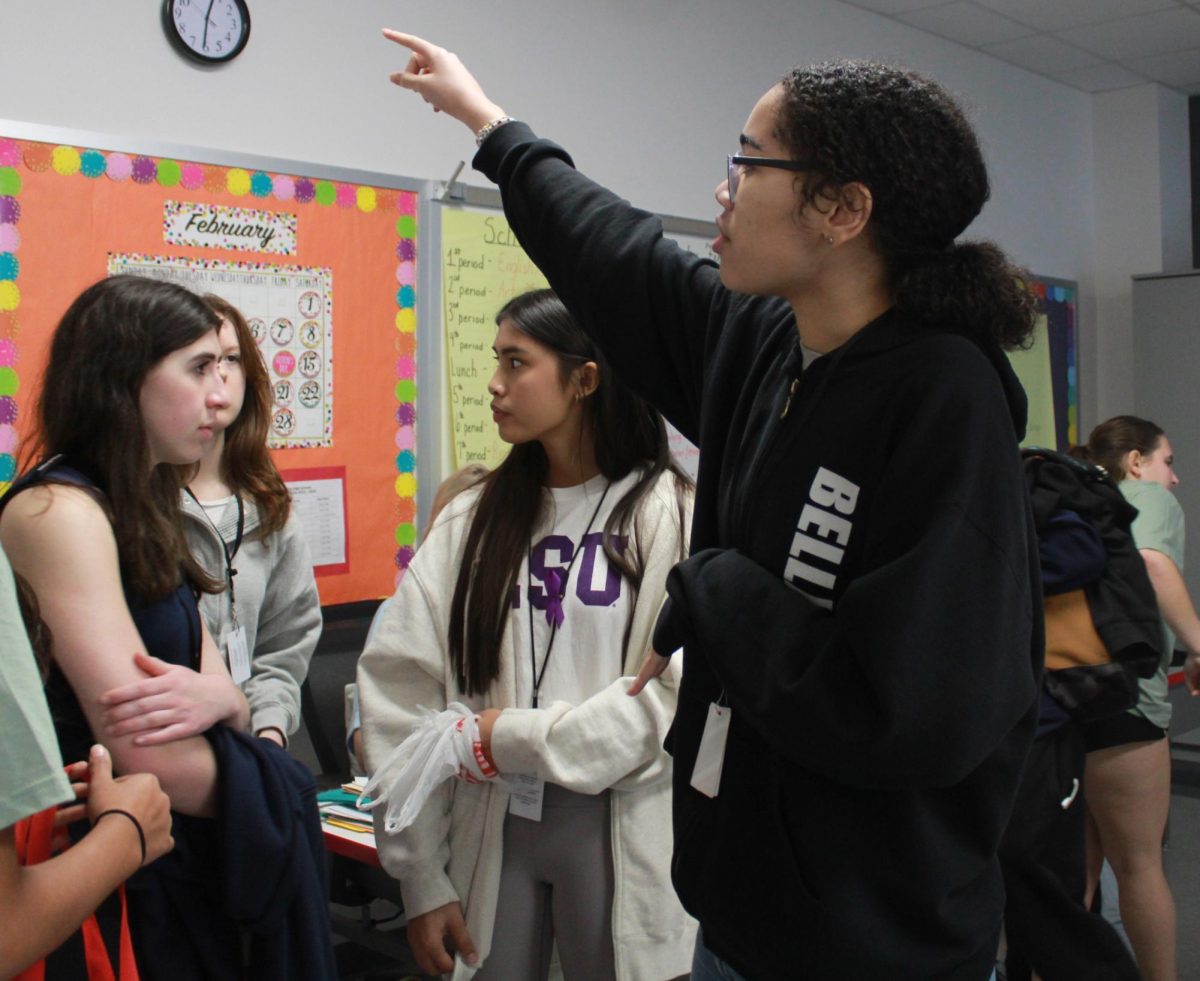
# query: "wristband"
136,823
490,128
485,767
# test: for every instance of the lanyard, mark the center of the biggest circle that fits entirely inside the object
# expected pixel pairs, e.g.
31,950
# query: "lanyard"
230,571
557,585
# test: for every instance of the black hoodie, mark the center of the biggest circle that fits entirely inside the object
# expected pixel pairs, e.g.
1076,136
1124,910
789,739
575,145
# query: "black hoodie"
862,588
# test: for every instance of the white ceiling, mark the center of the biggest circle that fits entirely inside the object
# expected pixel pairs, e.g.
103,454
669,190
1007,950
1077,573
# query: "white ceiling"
1094,45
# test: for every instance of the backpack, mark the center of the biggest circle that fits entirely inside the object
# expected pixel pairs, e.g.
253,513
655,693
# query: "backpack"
1103,631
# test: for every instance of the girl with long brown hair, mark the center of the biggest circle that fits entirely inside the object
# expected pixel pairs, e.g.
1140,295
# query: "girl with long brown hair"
241,528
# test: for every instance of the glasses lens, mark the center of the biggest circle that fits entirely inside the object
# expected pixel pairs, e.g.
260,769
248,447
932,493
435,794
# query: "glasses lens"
732,177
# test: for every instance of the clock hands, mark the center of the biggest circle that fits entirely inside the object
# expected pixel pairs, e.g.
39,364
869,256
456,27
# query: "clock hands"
207,14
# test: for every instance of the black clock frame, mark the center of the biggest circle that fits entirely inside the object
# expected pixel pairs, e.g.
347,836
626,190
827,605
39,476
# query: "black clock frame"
177,42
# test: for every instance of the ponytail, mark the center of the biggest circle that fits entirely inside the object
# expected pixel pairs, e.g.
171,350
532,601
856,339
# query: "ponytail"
1114,439
970,283
905,138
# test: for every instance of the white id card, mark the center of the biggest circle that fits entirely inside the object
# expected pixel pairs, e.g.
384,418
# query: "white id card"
706,774
525,793
237,653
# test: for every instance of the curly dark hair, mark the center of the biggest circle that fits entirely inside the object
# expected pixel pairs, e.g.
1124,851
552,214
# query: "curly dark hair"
904,138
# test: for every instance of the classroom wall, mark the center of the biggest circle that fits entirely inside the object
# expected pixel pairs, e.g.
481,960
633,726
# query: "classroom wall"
1142,222
649,95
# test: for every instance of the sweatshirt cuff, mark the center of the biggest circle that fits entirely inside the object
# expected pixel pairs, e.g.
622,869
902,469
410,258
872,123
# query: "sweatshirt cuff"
422,889
488,156
271,716
514,737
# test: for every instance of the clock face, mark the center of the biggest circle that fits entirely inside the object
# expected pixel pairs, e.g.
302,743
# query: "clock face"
209,31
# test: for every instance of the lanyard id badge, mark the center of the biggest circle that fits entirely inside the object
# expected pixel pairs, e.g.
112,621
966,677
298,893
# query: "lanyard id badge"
237,653
710,759
525,792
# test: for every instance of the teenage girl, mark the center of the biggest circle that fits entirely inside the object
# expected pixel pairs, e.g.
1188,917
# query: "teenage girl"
531,597
133,390
242,531
132,387
1128,773
860,619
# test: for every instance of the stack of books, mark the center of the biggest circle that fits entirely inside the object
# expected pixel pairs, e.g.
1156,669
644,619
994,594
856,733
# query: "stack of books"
338,807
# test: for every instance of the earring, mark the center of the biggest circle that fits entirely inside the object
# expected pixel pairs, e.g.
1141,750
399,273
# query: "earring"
829,240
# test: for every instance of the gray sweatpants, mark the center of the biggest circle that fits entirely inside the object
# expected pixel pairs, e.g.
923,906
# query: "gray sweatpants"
556,886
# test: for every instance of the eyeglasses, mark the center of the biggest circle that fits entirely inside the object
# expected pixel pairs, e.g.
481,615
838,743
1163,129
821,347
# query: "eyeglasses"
736,161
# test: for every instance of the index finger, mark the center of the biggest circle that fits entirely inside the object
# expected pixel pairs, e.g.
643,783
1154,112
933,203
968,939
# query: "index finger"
418,45
653,665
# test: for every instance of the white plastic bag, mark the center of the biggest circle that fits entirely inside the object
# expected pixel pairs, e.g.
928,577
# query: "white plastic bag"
439,747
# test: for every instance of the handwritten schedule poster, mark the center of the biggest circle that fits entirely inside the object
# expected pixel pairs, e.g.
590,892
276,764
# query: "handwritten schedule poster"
483,267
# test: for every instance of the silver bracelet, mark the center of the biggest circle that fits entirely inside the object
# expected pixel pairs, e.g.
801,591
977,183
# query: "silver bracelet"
490,128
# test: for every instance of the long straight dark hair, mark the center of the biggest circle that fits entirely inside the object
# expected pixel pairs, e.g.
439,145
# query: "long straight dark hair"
627,434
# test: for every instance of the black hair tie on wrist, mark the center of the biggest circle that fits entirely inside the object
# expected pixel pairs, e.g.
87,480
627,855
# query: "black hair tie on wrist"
136,823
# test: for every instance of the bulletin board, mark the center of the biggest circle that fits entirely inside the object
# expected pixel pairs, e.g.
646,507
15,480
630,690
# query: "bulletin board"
323,262
1048,369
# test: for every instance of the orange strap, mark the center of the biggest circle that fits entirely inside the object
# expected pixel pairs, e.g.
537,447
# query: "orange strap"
35,837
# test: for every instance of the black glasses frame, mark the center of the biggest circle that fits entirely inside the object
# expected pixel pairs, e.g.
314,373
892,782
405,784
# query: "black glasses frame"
736,160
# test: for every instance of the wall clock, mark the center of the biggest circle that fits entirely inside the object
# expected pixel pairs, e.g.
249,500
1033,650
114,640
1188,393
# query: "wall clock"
210,32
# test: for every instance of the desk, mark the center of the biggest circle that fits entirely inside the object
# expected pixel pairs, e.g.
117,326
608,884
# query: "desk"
358,881
354,845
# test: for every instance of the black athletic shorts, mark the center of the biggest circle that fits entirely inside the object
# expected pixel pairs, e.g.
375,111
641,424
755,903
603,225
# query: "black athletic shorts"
1120,730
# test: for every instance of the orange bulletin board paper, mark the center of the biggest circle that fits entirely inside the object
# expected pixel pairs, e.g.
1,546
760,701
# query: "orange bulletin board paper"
64,210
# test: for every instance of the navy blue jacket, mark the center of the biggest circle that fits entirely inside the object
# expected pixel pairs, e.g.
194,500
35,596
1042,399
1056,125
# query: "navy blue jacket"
244,894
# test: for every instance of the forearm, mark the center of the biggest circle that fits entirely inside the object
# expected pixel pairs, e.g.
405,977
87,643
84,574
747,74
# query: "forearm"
186,770
277,670
42,905
864,694
654,308
1173,600
609,740
287,632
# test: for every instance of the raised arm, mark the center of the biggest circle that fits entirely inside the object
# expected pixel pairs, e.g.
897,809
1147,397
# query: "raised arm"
60,540
655,309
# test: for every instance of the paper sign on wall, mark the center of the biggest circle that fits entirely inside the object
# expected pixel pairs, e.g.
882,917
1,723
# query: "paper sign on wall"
483,267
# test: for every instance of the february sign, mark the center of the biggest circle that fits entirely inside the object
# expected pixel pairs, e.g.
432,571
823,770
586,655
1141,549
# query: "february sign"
188,223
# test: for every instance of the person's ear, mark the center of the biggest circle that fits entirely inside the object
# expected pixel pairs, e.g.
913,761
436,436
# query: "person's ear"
851,211
587,380
1133,463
